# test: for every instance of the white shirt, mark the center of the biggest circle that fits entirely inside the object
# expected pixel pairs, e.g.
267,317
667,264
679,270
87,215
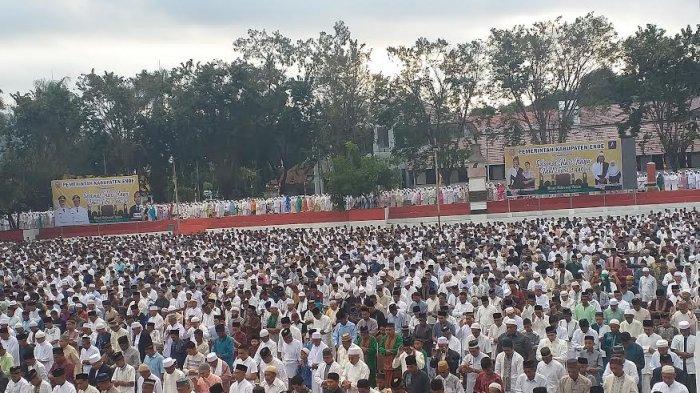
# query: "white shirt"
43,352
355,372
85,354
276,387
628,368
664,388
45,387
320,372
157,387
125,374
677,345
241,387
524,385
170,380
67,387
553,372
291,353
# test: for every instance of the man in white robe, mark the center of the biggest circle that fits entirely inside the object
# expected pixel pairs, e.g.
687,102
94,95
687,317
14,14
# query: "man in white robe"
354,370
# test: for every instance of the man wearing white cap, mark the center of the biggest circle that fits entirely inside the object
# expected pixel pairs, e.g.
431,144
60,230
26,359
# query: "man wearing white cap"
155,317
647,286
316,351
684,346
271,383
354,370
662,348
43,351
631,325
171,376
265,342
220,369
669,383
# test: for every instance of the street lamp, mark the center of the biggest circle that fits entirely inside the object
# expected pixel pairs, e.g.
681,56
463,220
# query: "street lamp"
171,160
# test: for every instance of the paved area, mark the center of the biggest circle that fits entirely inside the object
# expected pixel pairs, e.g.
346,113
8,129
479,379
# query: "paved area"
505,217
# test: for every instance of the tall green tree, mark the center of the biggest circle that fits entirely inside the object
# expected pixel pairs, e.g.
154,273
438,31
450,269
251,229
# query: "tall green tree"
541,69
437,87
662,84
356,174
44,141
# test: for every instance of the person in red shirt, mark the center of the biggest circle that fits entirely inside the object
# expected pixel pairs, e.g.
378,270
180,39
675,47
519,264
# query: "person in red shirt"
486,377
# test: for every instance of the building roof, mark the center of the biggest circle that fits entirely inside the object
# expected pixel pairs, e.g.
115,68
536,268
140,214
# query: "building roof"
596,123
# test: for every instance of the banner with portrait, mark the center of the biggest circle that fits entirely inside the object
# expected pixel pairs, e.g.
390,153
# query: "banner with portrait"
96,200
577,167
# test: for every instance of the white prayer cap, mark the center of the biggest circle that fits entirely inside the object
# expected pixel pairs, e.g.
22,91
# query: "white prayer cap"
645,269
305,350
211,357
271,369
316,335
510,310
667,370
662,344
536,275
683,325
496,386
40,334
614,302
101,325
195,319
476,326
136,325
168,362
510,321
153,308
264,333
442,340
614,322
629,311
354,351
33,324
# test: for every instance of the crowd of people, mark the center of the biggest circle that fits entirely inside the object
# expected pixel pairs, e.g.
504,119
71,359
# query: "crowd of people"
410,197
558,305
285,204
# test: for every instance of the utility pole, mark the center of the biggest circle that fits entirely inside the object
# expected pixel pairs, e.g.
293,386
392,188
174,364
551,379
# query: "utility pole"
177,199
437,188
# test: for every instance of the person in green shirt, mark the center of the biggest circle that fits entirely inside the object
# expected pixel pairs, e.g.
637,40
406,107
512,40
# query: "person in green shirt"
369,348
6,360
613,312
611,339
574,264
390,344
585,310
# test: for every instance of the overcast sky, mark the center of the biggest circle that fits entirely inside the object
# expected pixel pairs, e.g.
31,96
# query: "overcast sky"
57,38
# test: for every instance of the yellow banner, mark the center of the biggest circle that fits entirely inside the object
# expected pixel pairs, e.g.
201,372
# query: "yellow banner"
564,168
95,200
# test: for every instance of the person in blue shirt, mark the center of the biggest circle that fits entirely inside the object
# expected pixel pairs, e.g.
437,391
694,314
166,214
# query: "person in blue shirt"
343,326
223,345
304,374
154,361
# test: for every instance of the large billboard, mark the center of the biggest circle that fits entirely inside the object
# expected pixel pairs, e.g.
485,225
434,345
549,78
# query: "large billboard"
564,168
95,200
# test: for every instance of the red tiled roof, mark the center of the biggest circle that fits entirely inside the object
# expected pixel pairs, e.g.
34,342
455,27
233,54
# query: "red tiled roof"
596,123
